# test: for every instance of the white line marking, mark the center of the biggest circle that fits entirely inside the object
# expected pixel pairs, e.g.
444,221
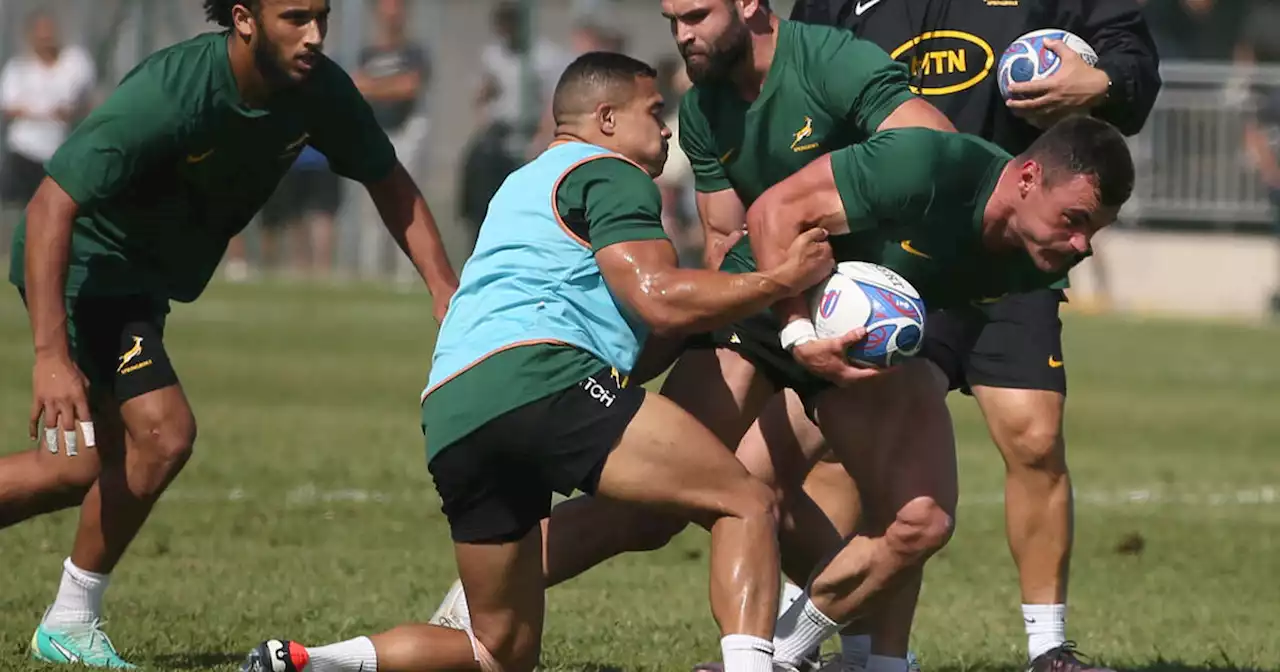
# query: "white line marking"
310,494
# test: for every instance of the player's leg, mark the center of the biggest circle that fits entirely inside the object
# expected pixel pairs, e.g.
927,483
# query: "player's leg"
668,460
722,390
152,421
896,429
1017,375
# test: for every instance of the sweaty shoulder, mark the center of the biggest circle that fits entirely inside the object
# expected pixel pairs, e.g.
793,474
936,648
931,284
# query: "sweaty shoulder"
612,201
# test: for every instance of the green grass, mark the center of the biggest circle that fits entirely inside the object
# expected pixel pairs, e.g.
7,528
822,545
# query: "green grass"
308,512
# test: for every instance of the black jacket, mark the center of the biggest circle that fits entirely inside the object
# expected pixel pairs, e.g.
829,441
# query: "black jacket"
954,67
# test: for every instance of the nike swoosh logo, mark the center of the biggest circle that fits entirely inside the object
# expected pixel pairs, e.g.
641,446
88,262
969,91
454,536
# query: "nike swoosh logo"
1055,363
906,245
71,657
197,158
864,6
727,155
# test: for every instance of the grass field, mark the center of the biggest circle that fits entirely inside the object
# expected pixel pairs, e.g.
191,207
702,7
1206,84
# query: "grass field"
308,511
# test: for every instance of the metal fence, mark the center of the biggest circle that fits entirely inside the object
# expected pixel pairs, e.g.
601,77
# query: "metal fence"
1193,170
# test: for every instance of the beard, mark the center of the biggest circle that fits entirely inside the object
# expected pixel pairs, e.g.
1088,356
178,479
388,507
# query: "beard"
267,59
720,57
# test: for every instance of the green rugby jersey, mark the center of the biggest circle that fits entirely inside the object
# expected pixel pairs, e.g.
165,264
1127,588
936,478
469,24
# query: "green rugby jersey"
174,164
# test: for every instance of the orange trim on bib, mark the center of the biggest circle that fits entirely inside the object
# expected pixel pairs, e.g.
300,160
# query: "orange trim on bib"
487,355
555,189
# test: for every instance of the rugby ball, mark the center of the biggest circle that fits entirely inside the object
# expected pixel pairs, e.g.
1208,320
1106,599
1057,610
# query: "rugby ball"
1027,59
862,294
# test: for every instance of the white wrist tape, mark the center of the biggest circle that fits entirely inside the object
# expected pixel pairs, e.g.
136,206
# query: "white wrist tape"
798,332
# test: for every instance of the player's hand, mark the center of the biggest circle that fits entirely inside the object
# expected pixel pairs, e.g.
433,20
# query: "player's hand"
717,248
1076,88
809,261
828,358
440,304
61,397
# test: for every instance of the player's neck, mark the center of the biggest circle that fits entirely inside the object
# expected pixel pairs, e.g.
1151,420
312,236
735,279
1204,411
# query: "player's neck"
749,79
998,211
254,88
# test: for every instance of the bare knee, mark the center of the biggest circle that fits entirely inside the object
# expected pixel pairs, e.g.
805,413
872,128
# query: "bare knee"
1032,443
511,650
756,502
922,528
161,447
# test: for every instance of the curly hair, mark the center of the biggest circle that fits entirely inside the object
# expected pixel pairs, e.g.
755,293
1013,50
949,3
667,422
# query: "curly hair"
219,11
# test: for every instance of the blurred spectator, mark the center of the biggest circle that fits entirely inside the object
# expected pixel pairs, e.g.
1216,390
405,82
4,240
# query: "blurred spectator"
41,93
1202,30
676,181
1259,45
509,111
587,36
393,74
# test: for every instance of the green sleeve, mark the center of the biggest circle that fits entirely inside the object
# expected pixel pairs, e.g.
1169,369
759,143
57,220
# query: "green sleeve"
892,176
137,128
345,130
859,83
699,145
614,200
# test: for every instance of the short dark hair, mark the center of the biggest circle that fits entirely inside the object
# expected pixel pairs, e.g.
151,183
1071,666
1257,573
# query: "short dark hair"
1081,145
219,11
593,78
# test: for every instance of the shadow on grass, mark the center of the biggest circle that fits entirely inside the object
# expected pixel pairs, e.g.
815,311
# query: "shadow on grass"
194,661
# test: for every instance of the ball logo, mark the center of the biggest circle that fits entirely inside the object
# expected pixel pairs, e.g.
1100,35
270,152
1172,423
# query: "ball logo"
829,301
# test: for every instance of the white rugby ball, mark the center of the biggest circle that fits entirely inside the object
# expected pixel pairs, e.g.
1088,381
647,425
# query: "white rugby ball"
1027,59
862,294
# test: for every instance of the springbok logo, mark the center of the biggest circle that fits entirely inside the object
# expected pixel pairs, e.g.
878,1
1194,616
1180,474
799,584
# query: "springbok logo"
130,354
803,134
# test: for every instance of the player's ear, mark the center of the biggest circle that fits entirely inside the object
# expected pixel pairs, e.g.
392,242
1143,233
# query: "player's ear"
607,118
1030,176
243,21
748,8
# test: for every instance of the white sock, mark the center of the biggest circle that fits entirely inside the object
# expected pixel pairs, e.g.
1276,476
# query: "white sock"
855,652
744,653
79,599
800,630
886,664
790,593
1046,627
353,655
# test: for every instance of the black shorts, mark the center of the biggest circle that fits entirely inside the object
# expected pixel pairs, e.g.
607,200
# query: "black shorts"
756,340
118,343
302,193
21,178
1015,342
496,483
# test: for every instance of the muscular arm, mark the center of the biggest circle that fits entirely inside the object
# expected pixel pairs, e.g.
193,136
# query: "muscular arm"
804,201
916,112
409,220
49,218
645,277
723,217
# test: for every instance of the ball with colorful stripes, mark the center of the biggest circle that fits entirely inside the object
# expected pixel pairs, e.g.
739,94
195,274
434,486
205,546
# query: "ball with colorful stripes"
862,294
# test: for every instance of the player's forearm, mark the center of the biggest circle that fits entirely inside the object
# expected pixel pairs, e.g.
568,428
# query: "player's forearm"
771,231
48,248
684,301
409,220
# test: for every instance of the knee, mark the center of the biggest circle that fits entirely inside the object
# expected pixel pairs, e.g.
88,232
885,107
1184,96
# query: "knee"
757,502
1033,444
166,443
922,527
505,650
